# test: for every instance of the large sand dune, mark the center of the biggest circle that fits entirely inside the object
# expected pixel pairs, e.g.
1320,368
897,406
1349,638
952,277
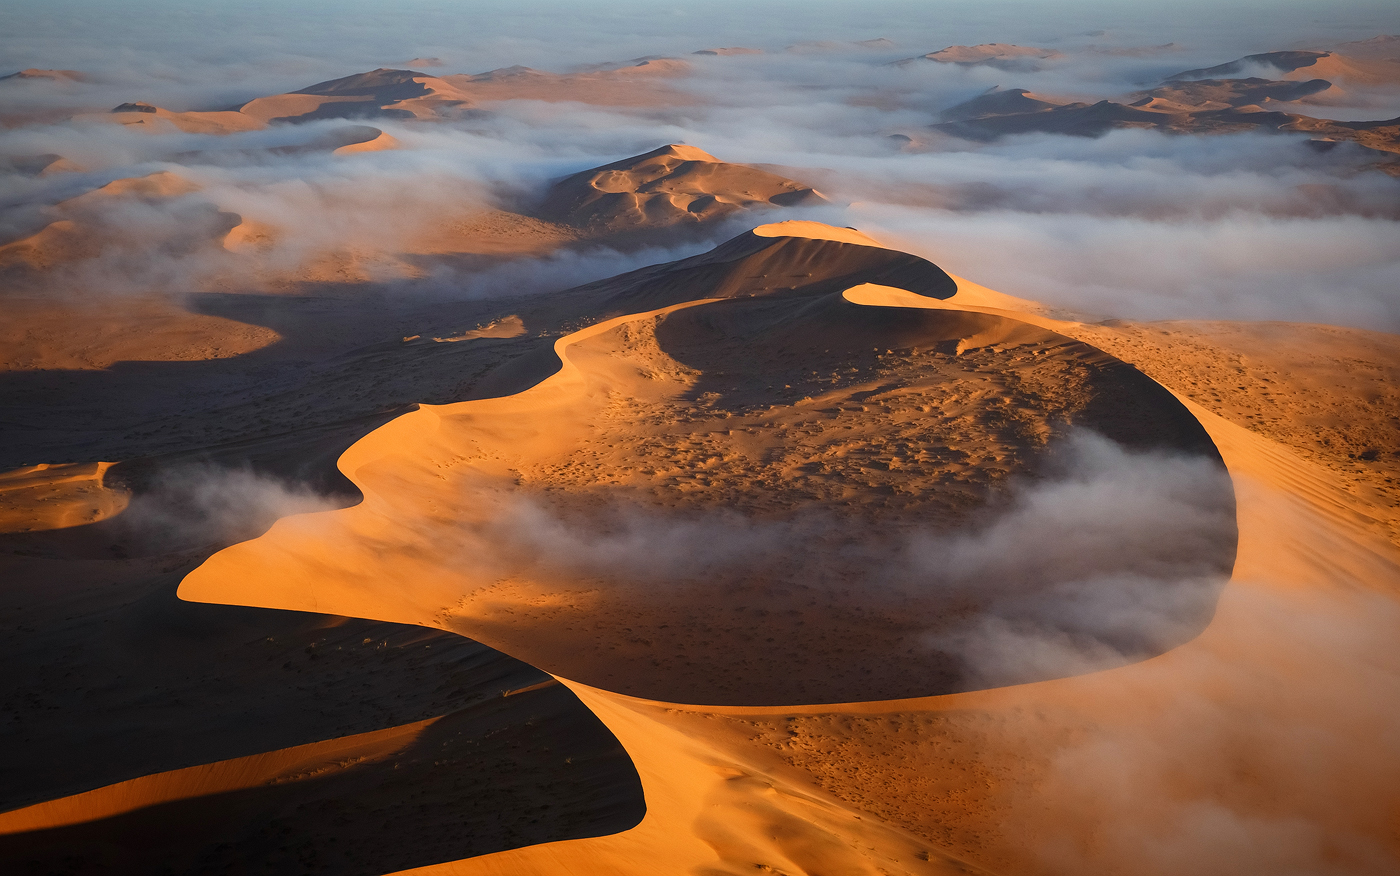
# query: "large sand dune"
383,92
785,788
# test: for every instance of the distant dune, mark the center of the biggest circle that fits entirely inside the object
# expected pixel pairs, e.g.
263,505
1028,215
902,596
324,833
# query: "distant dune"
1306,65
52,75
1000,55
671,185
404,94
1194,102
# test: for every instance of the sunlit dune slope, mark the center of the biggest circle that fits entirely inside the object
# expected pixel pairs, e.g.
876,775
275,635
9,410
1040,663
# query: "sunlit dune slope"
93,224
1031,779
1305,65
977,780
640,83
667,186
1001,55
157,120
1212,94
394,93
48,335
41,497
884,419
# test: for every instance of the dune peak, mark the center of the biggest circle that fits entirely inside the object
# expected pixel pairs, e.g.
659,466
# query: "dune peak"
816,231
671,185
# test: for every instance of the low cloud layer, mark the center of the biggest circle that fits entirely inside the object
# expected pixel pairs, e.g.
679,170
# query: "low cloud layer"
1266,750
202,505
1112,557
1135,224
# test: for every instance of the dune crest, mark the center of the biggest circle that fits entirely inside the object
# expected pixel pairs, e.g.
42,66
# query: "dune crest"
44,497
33,73
1001,55
380,142
1305,65
383,92
44,165
159,185
815,231
157,120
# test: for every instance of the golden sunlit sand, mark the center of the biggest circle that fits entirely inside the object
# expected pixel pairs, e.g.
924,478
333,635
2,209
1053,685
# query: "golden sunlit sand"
366,515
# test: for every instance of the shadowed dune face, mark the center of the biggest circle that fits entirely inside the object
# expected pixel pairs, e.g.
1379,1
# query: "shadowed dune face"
1222,93
768,262
163,735
783,498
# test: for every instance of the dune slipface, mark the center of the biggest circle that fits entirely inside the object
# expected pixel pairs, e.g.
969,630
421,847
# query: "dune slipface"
715,501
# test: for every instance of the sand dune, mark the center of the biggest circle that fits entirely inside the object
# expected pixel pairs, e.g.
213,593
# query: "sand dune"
639,83
274,767
377,143
786,787
1302,65
158,185
793,787
999,102
160,121
394,93
56,75
671,185
1223,99
1204,107
1001,55
408,94
43,497
1378,48
752,452
1222,93
731,50
88,230
44,165
877,758
76,335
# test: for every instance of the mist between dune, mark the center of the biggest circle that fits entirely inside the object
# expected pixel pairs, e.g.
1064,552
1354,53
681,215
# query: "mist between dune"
1109,557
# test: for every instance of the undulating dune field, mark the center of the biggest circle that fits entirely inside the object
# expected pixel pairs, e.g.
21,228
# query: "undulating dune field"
386,487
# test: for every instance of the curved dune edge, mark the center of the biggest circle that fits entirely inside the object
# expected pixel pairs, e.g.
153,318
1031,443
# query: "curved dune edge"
816,231
45,497
720,800
702,767
379,143
235,774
